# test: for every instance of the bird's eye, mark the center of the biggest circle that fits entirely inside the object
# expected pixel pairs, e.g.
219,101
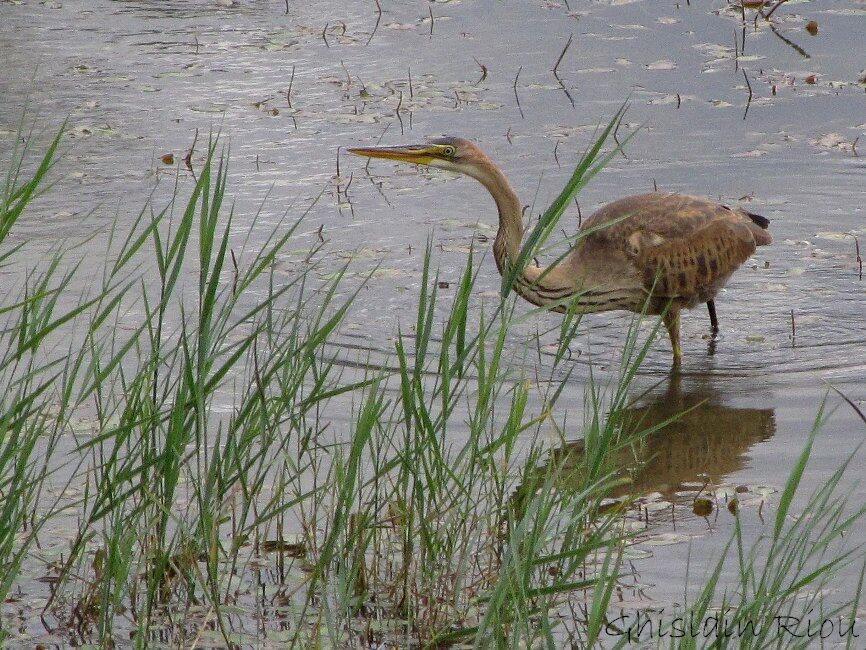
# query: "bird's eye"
448,150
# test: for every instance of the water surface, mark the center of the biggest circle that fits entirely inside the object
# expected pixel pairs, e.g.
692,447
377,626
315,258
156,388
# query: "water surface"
137,80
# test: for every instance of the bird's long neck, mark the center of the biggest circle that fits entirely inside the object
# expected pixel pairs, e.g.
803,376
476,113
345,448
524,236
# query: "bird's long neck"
506,246
540,286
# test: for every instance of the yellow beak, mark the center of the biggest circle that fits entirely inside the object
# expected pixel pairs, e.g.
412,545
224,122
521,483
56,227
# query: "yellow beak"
419,154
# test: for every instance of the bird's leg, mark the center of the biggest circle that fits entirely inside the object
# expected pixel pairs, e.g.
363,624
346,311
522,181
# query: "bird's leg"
714,321
672,323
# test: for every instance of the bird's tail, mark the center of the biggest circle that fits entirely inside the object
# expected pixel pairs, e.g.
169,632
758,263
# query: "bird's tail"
763,222
760,233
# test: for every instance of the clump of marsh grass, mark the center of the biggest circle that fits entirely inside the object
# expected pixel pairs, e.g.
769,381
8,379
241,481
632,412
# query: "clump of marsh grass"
786,577
448,539
26,428
240,482
178,503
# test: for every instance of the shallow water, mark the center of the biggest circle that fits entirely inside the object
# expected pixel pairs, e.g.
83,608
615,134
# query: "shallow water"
136,80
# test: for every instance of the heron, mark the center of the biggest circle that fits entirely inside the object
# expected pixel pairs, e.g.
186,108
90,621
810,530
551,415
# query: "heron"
655,253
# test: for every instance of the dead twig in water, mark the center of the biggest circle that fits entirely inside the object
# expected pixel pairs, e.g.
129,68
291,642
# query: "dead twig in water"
799,50
793,331
348,76
562,54
397,112
432,20
483,71
516,97
556,67
854,146
346,200
565,90
857,254
345,192
411,92
235,266
324,35
378,187
615,138
187,159
556,74
378,20
773,10
289,91
736,53
555,157
749,101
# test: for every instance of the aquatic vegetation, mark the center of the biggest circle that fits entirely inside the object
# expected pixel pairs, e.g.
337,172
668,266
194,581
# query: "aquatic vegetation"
186,458
155,488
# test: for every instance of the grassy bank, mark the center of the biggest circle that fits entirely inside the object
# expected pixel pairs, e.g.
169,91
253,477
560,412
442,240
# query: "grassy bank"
223,477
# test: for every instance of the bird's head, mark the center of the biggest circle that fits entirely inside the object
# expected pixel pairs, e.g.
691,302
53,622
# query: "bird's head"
454,154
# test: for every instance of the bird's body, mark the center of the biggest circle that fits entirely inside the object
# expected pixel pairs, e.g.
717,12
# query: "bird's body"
659,252
654,253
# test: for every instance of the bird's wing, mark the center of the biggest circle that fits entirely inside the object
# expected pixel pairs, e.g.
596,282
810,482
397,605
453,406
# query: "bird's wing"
680,246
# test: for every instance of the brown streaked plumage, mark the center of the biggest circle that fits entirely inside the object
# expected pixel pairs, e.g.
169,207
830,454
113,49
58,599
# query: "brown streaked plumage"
659,252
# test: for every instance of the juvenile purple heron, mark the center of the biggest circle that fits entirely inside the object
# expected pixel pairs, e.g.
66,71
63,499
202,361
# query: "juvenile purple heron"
662,252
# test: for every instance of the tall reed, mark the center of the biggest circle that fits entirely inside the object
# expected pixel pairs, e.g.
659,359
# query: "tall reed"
233,476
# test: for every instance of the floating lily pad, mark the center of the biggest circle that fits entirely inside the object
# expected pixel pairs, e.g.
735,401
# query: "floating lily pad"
666,539
834,236
663,64
209,108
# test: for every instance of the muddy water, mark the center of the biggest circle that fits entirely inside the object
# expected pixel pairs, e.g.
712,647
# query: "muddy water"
137,79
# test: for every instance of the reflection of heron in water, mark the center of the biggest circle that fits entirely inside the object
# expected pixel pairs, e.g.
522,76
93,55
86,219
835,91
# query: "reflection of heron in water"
705,440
